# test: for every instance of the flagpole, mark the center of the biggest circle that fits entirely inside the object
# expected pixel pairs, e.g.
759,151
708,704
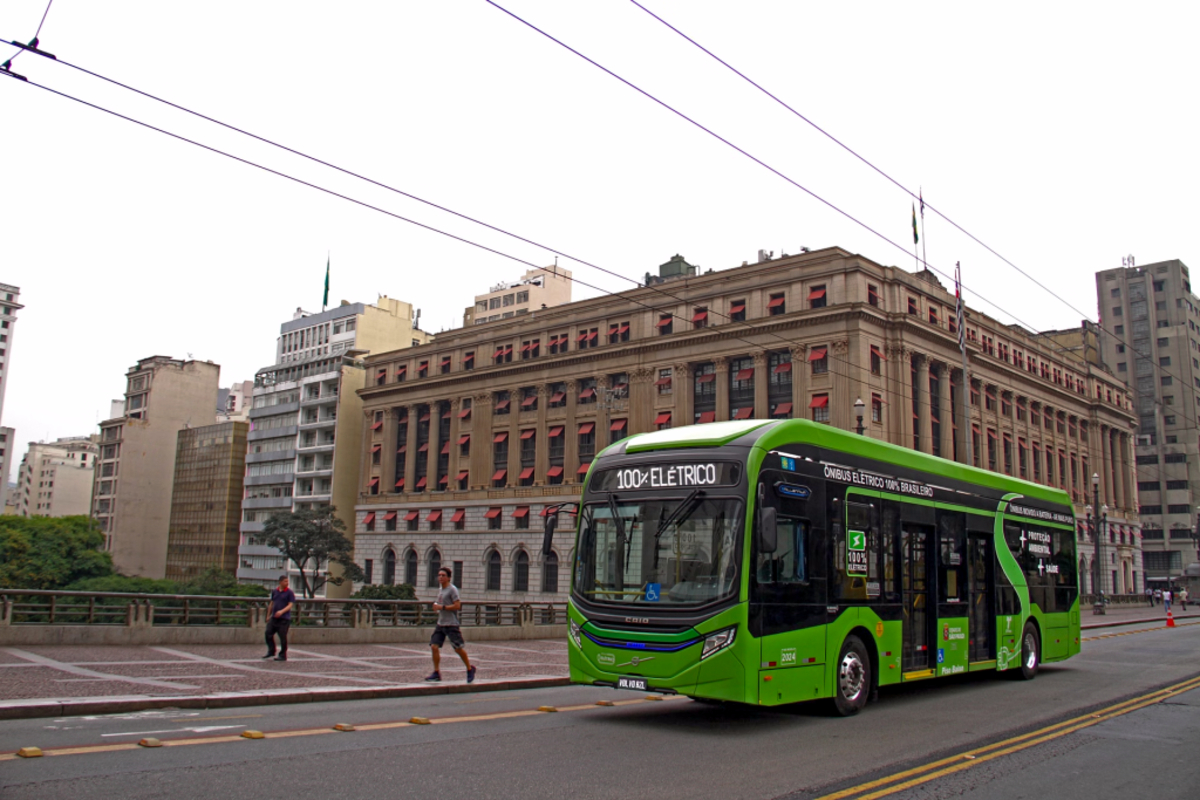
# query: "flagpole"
916,239
965,391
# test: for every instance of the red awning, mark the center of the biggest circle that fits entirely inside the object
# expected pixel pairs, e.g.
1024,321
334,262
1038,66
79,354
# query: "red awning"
990,392
776,302
446,361
423,448
587,427
464,439
502,405
582,336
421,483
700,316
526,474
502,436
554,472
613,330
446,413
469,357
492,513
434,516
402,449
817,353
991,434
374,482
466,412
442,481
499,476
521,511
875,351
816,294
377,426
446,448
528,401
663,382
583,468
400,370
462,476
737,308
555,432
499,352
558,397
400,483
743,413
663,418
707,416
424,417
458,515
707,377
974,427
617,425
782,409
529,433
783,366
624,328
819,401
404,415
593,334
588,392
664,322
744,374
389,516
410,516
375,448
424,367
369,518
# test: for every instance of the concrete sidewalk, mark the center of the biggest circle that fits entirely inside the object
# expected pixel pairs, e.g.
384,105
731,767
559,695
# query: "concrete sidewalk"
48,681
1134,615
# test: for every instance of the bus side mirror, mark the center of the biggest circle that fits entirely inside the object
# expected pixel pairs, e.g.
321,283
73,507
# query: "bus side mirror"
768,530
548,535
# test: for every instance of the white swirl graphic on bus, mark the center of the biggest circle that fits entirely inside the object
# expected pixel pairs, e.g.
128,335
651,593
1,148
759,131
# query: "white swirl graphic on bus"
667,477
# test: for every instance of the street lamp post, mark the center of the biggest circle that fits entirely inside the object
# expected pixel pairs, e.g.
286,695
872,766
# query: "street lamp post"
1097,523
859,405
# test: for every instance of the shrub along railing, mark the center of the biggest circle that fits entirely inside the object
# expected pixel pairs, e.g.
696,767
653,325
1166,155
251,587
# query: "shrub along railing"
42,607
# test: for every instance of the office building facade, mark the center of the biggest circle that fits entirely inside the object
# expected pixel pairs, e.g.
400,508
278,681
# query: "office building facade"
9,306
535,290
55,478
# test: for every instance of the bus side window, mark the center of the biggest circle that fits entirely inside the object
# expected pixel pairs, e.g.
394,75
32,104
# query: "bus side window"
789,562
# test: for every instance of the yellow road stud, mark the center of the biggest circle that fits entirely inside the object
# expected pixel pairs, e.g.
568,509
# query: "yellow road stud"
150,741
604,702
345,727
252,735
30,752
419,720
547,708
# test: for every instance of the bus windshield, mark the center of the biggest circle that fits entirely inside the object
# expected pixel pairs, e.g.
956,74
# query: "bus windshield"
674,551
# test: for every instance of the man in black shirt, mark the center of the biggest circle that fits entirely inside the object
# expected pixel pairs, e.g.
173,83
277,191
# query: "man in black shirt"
279,618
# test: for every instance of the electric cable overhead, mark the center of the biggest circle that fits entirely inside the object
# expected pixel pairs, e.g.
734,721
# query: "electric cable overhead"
32,42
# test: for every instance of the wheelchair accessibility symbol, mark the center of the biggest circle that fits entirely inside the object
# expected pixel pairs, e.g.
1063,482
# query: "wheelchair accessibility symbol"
653,590
941,656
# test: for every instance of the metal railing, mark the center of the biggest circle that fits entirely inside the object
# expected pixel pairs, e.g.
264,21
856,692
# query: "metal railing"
43,607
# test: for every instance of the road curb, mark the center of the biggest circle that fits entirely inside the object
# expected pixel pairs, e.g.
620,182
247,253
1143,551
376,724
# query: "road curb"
1142,621
32,709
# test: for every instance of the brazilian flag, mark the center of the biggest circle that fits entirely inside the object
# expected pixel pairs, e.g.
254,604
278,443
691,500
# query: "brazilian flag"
915,237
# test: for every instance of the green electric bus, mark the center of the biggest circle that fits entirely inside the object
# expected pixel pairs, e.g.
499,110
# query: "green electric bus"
773,562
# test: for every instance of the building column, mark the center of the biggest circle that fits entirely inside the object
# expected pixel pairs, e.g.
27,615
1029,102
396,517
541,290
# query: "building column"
924,421
1125,494
481,441
452,462
571,432
410,450
387,453
681,390
367,471
514,437
945,417
641,400
842,398
901,402
541,461
762,377
962,431
435,446
800,382
721,367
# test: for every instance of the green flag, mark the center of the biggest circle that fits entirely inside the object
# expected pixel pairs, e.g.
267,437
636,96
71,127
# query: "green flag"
915,237
325,302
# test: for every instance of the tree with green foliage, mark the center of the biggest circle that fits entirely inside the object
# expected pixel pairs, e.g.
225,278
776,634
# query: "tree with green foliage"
383,591
50,552
314,540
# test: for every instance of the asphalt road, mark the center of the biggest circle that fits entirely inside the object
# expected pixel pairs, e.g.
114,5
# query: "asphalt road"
498,745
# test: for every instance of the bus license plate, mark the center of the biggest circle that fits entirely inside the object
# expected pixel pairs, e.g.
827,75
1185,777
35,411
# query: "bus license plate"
632,683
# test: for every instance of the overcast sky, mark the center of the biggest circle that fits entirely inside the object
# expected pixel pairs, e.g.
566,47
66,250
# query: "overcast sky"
1061,135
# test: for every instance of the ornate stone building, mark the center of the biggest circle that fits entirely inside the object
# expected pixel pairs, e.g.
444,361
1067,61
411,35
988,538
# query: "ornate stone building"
469,438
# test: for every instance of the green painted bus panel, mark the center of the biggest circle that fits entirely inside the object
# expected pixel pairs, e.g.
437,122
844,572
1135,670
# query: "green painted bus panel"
793,648
792,685
1008,655
1008,641
952,648
642,636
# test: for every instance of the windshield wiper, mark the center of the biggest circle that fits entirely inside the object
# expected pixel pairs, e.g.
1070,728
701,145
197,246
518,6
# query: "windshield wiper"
620,524
676,516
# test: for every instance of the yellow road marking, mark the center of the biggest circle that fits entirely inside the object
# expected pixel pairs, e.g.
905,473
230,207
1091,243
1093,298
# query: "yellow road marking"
966,760
1143,630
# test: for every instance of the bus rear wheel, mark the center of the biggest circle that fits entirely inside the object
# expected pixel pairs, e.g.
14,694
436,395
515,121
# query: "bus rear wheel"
853,679
1031,654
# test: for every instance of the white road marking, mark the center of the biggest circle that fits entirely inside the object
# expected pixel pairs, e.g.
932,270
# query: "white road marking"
517,649
201,729
231,665
88,673
358,661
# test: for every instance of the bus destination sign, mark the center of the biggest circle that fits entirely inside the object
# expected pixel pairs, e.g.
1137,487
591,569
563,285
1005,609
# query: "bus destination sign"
666,476
883,483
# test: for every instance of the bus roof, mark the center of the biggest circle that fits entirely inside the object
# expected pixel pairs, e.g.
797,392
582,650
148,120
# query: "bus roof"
770,434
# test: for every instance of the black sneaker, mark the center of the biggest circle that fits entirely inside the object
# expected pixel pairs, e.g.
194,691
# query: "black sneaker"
268,655
471,675
281,658
434,676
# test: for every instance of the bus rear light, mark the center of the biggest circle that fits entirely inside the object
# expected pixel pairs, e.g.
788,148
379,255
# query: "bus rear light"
715,642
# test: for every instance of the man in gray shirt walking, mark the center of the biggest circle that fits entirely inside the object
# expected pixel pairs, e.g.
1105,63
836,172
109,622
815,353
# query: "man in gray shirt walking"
447,605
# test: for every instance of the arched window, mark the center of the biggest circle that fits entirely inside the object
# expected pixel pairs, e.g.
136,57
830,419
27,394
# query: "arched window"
389,567
410,567
493,572
435,563
550,573
521,573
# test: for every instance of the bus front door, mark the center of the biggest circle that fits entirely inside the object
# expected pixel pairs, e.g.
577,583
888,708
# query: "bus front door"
981,588
915,588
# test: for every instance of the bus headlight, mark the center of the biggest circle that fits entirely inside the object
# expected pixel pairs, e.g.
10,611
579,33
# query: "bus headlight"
573,627
716,642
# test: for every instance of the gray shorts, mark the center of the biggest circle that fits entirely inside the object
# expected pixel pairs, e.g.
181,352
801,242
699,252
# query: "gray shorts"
443,632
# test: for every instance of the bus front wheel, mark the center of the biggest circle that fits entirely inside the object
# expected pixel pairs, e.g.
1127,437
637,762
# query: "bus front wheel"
1031,654
853,679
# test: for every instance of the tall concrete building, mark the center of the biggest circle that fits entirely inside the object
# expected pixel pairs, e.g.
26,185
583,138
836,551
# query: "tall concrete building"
1151,338
536,289
306,420
206,499
9,306
133,482
55,479
233,404
473,435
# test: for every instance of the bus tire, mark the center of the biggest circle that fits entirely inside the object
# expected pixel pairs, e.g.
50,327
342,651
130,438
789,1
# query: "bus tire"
1031,654
852,680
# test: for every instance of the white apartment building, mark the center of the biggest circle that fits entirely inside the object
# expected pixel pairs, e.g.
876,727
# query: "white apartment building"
536,289
55,478
8,325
